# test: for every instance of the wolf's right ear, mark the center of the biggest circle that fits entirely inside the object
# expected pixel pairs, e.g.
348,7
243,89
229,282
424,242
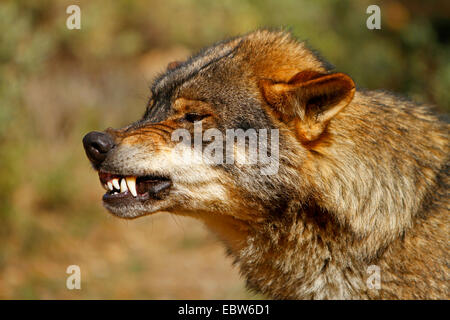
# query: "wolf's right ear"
309,99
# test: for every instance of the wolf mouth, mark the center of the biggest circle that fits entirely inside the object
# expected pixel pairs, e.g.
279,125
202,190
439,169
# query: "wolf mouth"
121,189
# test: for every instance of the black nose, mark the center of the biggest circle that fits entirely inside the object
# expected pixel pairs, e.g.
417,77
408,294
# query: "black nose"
97,144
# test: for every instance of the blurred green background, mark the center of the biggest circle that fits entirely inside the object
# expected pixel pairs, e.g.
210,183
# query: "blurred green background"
57,84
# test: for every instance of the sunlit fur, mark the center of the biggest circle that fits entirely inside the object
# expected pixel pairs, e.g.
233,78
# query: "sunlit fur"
368,187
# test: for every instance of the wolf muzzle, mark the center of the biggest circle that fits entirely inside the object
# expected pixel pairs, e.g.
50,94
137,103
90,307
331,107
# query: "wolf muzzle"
97,145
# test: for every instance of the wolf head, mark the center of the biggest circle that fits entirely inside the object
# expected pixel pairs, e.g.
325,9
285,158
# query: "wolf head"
265,86
303,178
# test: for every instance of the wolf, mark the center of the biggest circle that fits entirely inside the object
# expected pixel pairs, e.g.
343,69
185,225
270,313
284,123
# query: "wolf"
358,206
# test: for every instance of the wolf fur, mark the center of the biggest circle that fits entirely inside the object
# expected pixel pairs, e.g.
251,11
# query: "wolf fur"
363,175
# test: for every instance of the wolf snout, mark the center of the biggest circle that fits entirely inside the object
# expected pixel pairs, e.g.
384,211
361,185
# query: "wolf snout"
97,145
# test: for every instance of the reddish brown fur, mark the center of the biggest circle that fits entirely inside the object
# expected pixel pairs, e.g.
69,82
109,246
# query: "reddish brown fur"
364,178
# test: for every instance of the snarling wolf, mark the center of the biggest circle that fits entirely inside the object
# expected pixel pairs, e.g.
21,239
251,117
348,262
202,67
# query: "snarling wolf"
361,183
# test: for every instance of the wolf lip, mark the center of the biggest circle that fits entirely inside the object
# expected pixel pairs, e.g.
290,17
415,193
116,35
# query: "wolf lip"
133,188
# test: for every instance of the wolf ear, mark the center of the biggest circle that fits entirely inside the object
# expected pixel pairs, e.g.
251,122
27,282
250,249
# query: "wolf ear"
310,99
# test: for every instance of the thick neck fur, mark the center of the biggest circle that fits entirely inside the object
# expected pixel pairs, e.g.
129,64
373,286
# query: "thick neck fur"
377,197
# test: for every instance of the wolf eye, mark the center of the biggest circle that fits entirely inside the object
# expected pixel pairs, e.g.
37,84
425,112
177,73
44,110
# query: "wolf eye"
193,117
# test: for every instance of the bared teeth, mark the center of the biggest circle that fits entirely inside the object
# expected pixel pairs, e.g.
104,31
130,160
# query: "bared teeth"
115,183
123,185
131,183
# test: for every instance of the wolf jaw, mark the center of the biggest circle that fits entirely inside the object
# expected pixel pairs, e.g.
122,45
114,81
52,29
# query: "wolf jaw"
125,194
138,187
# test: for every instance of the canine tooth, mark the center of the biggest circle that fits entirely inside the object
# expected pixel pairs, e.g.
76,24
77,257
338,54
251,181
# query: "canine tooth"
115,183
131,183
105,186
123,185
110,186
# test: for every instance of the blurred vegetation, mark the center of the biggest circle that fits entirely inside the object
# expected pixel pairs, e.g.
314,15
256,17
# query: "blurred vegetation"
56,84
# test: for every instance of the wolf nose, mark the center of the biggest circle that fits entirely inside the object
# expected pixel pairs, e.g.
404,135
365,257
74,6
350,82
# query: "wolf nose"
97,144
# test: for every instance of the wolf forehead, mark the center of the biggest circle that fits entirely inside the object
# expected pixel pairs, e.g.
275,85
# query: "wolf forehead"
262,54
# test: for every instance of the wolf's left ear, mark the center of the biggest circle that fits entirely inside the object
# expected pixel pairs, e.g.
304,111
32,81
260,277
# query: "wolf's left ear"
309,100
